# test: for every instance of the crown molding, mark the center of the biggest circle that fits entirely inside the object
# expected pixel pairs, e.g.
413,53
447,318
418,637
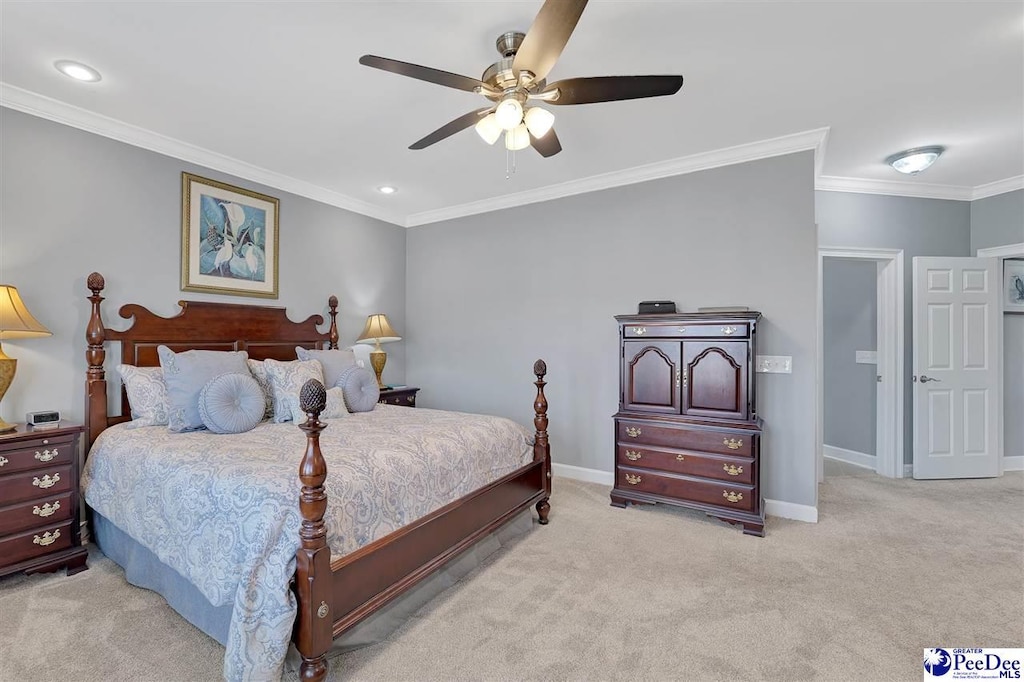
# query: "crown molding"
778,146
67,114
998,187
898,188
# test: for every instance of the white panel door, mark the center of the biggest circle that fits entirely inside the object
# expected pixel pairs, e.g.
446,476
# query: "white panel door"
957,365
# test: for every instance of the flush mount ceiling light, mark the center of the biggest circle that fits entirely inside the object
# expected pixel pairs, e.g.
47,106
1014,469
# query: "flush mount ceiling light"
387,189
77,70
913,161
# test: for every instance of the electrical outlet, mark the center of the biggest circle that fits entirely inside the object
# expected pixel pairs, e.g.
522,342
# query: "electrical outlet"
774,364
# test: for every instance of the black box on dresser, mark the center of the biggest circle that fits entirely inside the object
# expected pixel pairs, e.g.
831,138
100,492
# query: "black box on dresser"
40,526
687,431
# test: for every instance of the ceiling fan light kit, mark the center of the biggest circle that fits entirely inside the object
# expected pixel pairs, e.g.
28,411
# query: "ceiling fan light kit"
520,75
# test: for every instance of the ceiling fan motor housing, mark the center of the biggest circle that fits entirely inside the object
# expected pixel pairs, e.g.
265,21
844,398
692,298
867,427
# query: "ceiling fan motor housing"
500,75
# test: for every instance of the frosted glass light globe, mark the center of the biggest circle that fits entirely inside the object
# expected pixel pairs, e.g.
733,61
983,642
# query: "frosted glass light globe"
517,138
539,121
488,129
509,113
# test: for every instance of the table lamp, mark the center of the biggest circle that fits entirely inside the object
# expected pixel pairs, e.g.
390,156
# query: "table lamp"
16,322
378,329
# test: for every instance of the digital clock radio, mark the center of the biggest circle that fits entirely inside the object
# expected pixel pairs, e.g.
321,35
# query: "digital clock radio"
40,420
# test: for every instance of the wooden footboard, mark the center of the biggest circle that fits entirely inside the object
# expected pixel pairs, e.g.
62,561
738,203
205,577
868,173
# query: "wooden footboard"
335,596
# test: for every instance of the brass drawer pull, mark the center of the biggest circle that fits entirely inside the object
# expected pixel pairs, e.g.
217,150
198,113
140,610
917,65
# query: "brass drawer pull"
731,496
728,331
47,455
3,461
632,479
633,431
410,398
682,330
639,331
633,456
46,481
732,470
46,509
47,538
680,458
732,443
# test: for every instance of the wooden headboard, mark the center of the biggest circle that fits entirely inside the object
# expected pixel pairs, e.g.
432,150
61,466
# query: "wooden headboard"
262,331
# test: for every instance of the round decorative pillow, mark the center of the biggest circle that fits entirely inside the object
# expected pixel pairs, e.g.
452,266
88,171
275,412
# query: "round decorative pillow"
231,403
360,388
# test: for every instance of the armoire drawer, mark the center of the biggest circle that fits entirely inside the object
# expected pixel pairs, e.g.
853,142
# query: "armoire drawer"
737,469
701,440
723,494
730,330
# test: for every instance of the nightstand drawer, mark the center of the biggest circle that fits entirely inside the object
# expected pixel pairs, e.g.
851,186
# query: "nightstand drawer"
43,452
41,512
703,440
738,469
723,494
35,543
35,485
403,400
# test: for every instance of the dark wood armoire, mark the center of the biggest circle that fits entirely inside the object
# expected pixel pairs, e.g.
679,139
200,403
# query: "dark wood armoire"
687,431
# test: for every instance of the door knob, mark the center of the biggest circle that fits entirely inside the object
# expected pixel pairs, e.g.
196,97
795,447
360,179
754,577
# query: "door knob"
926,379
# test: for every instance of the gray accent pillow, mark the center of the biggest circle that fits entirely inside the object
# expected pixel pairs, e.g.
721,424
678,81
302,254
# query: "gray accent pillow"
333,362
231,403
186,373
360,388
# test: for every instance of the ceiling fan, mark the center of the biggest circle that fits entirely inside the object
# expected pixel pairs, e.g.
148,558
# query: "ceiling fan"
519,78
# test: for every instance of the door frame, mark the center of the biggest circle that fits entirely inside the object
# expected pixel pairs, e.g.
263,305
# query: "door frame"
891,339
1002,253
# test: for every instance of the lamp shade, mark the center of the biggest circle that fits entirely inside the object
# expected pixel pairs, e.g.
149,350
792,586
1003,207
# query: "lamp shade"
378,329
16,322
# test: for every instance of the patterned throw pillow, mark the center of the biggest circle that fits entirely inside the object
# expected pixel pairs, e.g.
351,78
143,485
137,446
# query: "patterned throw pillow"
360,388
231,403
186,373
147,395
259,373
332,362
287,378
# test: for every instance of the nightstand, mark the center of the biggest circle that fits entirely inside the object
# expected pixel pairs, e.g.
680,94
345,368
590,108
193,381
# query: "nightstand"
40,527
406,397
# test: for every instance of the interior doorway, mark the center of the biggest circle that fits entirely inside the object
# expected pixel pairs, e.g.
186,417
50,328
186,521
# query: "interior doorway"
886,431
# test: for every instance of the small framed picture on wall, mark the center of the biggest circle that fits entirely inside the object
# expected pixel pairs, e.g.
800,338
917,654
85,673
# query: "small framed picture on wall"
1013,285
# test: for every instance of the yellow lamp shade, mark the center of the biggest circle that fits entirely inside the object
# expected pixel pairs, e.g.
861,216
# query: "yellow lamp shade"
378,329
16,322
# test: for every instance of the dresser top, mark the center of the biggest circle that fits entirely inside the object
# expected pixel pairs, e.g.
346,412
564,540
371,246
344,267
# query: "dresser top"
25,431
672,318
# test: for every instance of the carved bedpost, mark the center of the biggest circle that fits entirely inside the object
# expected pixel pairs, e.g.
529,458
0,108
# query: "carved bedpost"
333,303
96,382
541,448
314,624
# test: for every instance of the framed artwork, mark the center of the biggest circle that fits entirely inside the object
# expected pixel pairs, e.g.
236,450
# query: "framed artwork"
1013,286
229,239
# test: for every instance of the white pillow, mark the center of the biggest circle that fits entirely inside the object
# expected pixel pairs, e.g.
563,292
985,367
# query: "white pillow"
147,395
259,373
287,379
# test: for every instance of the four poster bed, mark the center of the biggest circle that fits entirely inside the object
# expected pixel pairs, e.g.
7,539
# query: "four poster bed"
329,592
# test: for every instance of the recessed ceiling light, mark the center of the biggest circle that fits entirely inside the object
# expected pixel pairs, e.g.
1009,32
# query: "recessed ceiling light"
77,70
913,161
386,189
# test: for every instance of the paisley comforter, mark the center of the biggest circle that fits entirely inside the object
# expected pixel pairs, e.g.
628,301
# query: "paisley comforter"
222,510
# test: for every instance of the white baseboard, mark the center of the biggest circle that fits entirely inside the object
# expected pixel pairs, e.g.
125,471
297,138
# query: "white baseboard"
583,474
785,510
857,459
1013,463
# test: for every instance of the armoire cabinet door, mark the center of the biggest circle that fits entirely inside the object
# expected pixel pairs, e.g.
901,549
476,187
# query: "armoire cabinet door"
715,379
651,376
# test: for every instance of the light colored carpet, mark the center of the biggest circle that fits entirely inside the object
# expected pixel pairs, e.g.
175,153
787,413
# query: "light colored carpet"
644,593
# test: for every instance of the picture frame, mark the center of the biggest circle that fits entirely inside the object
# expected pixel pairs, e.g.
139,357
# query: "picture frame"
229,239
1013,285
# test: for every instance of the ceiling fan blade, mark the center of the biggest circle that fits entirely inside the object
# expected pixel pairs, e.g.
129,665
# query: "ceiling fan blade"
547,145
450,128
547,36
613,88
423,73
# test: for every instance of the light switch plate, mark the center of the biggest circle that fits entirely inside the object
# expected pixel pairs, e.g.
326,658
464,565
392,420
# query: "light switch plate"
867,357
775,364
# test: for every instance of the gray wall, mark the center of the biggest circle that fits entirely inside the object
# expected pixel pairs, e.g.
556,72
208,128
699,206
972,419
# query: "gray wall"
489,294
850,324
921,227
73,202
997,221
